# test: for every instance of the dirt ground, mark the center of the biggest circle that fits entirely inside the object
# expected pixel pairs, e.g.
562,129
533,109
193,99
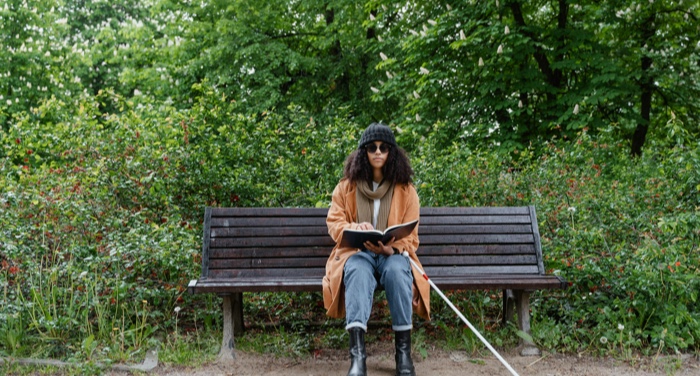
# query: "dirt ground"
380,361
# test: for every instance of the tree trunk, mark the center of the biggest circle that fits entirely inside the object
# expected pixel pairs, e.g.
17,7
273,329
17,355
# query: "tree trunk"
646,86
640,133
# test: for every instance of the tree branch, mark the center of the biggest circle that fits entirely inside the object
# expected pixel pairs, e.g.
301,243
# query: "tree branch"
539,55
679,10
563,14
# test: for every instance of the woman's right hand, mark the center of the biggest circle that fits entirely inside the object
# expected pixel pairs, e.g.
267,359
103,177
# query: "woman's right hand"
365,226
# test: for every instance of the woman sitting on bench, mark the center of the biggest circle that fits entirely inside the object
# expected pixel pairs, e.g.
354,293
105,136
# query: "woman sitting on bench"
376,192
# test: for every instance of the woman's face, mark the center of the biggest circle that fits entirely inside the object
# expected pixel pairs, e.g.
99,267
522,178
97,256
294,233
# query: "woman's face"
377,152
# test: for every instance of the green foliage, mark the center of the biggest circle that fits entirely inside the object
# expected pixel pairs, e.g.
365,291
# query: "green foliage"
101,212
119,123
514,73
505,74
30,65
622,232
84,260
308,53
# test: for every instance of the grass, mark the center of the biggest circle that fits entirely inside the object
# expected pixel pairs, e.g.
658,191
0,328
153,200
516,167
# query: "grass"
193,349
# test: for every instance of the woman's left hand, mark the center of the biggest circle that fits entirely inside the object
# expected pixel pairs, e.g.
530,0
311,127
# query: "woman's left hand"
381,249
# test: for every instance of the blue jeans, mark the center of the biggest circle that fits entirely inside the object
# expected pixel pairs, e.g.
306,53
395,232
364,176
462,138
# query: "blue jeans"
362,272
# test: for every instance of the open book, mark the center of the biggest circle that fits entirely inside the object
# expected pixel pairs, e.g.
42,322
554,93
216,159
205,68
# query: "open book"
357,238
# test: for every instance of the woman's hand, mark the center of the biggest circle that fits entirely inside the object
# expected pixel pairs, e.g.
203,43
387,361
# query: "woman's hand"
381,249
365,226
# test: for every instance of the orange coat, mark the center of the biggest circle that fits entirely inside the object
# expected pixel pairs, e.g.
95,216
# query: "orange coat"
405,207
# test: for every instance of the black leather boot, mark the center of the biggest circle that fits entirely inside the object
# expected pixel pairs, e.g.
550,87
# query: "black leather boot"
358,353
404,364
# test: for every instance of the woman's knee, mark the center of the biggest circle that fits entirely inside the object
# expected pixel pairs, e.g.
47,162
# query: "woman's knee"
357,266
397,264
397,270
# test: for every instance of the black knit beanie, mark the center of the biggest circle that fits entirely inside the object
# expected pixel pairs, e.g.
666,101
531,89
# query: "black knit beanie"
377,132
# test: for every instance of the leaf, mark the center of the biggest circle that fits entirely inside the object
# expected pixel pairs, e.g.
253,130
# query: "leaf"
526,337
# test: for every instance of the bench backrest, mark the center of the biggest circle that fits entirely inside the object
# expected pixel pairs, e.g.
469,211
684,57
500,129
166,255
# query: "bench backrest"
288,242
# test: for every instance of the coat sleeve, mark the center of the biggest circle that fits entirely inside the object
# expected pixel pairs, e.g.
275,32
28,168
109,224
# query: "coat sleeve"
339,217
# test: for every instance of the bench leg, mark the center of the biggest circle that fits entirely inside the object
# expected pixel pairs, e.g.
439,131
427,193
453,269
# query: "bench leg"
508,306
233,322
522,301
238,313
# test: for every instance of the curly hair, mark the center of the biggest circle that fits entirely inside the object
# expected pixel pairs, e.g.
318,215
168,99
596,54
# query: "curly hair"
396,170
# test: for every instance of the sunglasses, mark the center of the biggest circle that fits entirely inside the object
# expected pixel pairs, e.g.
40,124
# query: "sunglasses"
383,148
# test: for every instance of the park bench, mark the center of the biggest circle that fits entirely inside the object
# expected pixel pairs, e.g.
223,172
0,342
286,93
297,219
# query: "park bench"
285,249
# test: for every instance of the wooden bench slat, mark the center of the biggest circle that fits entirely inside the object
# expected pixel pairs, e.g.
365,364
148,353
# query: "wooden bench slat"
467,260
263,274
467,270
327,241
264,263
514,282
320,262
423,250
467,220
319,272
289,241
476,239
269,212
323,230
271,231
322,212
495,249
235,253
466,211
256,285
424,229
321,221
267,222
246,232
478,282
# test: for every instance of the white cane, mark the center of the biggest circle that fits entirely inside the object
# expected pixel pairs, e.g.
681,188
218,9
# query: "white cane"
512,371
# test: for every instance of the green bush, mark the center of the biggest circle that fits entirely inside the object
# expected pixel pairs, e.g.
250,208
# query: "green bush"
100,227
101,220
622,231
